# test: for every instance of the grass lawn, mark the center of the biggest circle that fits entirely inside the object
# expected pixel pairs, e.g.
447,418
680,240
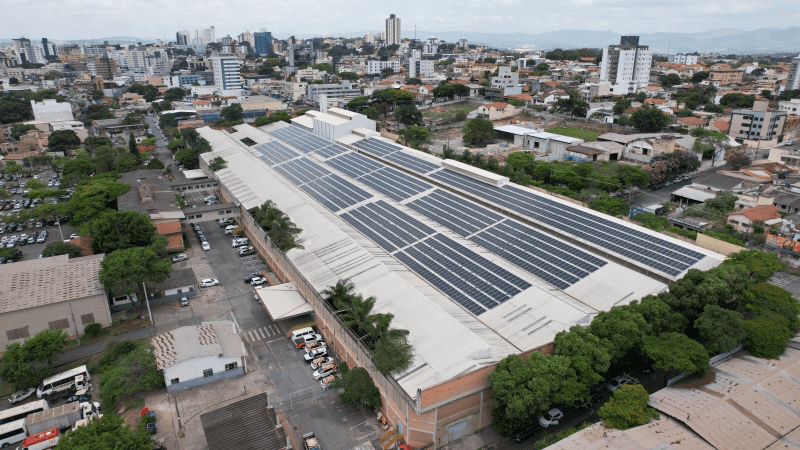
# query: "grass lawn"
586,135
448,113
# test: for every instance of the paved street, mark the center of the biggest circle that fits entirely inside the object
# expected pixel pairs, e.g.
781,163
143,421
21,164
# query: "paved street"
787,281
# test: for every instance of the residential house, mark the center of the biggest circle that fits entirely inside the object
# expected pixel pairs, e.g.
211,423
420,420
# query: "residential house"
691,122
496,111
152,194
744,219
426,89
202,105
719,78
198,354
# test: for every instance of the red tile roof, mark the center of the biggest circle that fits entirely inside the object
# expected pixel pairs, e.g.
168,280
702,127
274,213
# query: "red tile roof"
655,101
721,125
758,213
496,105
168,227
85,243
692,121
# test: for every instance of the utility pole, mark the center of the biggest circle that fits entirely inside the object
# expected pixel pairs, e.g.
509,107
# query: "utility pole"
148,305
77,336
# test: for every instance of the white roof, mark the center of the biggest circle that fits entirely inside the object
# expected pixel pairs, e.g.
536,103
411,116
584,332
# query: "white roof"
327,118
195,341
699,195
514,129
283,301
174,111
304,120
555,137
194,173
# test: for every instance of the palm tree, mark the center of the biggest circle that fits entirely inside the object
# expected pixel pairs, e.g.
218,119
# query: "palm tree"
358,316
340,293
282,233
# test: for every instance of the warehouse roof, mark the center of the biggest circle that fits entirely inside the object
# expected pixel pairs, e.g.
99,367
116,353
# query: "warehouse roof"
28,284
248,424
207,339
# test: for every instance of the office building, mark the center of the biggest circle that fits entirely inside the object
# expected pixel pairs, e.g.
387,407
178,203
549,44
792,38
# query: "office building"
226,73
183,38
50,50
50,110
681,58
343,89
392,30
793,82
420,68
23,50
376,67
626,66
757,124
263,42
369,38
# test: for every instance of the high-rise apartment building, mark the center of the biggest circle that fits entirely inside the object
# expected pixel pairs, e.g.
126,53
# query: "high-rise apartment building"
681,58
420,67
793,82
247,37
626,66
205,36
263,42
369,38
392,30
183,38
226,72
23,50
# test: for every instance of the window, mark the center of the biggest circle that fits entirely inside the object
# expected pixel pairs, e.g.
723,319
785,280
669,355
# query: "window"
207,373
87,318
18,333
58,324
231,366
175,381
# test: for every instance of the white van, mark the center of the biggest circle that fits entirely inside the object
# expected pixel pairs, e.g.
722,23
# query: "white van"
229,229
299,334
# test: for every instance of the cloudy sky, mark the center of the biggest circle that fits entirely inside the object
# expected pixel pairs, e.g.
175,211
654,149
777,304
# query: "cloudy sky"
151,19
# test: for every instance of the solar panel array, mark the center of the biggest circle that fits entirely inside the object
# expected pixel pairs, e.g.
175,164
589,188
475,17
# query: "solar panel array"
473,281
651,251
273,152
331,151
354,165
395,184
411,162
377,147
301,139
286,134
334,192
549,259
460,216
386,225
301,170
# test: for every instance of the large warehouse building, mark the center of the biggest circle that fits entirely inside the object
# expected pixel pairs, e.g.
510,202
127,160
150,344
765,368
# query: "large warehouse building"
475,267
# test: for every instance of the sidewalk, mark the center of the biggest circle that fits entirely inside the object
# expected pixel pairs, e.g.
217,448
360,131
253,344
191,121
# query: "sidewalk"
94,348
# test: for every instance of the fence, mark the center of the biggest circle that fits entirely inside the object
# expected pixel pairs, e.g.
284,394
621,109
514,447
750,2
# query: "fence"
355,350
183,385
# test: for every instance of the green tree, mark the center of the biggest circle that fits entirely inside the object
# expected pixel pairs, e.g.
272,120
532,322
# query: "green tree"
676,352
478,130
187,157
762,298
126,162
621,105
620,329
168,120
283,232
414,81
700,76
393,352
107,432
349,76
217,164
371,113
758,72
61,248
274,117
132,148
356,386
414,136
61,140
97,95
721,329
627,408
542,67
671,80
767,335
124,270
659,315
232,113
738,161
573,106
115,230
761,265
588,358
408,115
20,129
737,100
127,368
641,97
94,196
610,205
16,368
175,93
649,120
176,144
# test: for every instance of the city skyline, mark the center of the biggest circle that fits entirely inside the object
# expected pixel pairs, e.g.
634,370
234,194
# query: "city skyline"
61,20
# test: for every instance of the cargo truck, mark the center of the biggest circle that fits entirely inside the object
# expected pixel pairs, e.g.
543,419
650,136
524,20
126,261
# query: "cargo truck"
41,441
61,417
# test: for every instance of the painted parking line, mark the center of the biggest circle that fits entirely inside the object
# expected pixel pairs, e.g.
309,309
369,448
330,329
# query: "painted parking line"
262,333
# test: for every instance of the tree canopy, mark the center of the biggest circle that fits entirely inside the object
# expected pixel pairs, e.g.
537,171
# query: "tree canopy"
620,329
115,230
61,140
649,120
61,248
478,130
721,329
126,269
21,365
107,432
676,352
627,408
356,386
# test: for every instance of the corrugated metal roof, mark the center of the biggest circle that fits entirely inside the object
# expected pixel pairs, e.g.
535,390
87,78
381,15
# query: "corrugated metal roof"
664,433
698,195
248,424
207,339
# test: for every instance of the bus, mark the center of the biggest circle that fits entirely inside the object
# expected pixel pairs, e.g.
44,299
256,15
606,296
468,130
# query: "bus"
62,381
21,412
12,433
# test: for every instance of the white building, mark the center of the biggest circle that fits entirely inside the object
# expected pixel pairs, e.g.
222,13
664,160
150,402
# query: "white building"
793,82
226,73
204,36
49,110
376,67
333,123
791,106
681,58
392,30
626,66
183,37
369,38
199,354
343,89
431,46
419,67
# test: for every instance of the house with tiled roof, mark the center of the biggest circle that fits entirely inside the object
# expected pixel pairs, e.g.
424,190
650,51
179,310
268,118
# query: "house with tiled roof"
744,219
691,122
719,125
496,111
172,230
202,105
84,243
426,89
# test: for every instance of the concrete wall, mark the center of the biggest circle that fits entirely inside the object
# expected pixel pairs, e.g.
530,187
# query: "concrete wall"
710,243
38,318
193,368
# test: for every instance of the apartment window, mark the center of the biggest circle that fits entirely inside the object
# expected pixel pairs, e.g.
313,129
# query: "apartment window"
58,324
207,373
18,333
87,318
175,381
231,366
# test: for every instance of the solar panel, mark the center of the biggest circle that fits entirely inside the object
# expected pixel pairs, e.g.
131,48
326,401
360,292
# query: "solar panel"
274,152
331,151
307,142
301,170
459,215
468,278
354,165
387,226
377,147
649,250
411,162
394,184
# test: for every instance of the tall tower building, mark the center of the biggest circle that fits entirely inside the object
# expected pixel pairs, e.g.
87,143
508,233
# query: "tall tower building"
226,72
183,38
369,38
392,30
626,66
793,82
263,42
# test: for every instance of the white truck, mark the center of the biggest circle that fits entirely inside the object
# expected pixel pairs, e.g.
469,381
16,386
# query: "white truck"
61,417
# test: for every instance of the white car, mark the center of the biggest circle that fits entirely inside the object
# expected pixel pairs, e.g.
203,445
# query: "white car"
315,364
616,383
551,418
315,353
206,246
240,242
179,258
258,281
208,282
74,236
19,396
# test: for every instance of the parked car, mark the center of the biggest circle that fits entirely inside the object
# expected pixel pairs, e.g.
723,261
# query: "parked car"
324,371
246,251
19,396
310,442
315,353
616,383
208,282
184,301
312,345
258,281
225,222
74,236
180,257
320,361
250,277
240,242
327,381
307,339
206,246
85,397
551,418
